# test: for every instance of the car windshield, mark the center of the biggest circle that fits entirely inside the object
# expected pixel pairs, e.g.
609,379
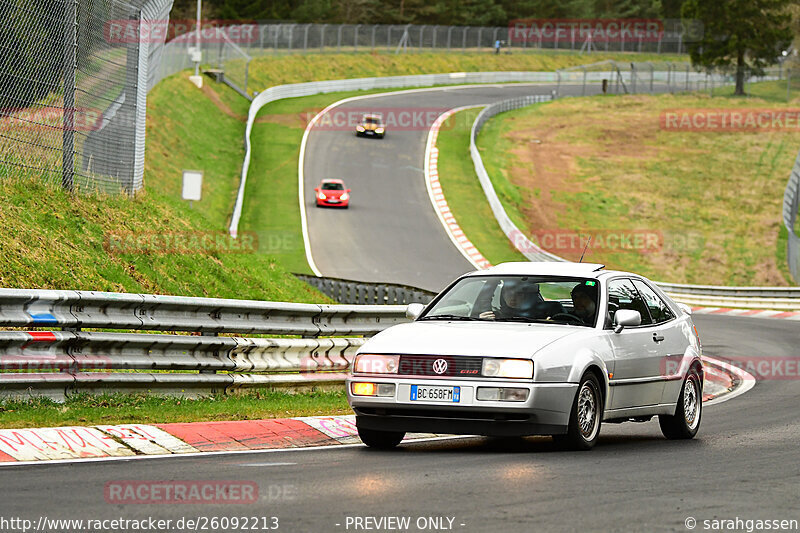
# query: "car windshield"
545,299
332,187
372,120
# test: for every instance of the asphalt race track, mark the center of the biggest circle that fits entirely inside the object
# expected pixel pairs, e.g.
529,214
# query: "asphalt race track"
743,464
390,232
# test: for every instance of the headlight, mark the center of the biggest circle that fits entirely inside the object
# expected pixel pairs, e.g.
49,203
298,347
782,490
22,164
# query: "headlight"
376,364
345,196
378,130
321,196
508,368
359,128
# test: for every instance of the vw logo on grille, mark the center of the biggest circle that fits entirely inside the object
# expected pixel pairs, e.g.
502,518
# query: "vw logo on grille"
440,366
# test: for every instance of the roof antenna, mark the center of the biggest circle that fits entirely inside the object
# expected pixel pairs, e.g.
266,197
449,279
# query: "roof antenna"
584,249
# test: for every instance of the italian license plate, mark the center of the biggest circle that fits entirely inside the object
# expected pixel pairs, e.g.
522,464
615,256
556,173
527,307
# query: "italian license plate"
425,393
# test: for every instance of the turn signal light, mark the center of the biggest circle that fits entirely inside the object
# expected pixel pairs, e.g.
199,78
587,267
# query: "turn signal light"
364,389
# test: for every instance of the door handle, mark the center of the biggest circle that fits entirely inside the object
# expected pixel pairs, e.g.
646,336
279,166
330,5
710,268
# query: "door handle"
657,337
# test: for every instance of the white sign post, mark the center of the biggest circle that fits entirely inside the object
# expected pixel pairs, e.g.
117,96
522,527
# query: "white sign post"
192,185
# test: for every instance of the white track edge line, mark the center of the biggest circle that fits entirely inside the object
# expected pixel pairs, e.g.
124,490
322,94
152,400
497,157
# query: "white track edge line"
746,381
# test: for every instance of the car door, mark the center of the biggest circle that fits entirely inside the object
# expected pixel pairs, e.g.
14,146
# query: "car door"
671,338
637,379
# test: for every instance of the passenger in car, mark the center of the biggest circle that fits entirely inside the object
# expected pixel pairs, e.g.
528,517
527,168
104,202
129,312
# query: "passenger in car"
584,302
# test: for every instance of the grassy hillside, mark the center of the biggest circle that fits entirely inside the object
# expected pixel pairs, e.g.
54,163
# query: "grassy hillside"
605,166
59,241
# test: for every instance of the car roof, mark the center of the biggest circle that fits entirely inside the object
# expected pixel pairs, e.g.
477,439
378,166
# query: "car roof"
332,180
552,268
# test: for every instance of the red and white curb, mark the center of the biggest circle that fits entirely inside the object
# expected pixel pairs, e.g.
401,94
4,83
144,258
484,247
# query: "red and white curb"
750,313
130,440
438,200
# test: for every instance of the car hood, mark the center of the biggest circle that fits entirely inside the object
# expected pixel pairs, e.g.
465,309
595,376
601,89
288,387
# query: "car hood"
467,338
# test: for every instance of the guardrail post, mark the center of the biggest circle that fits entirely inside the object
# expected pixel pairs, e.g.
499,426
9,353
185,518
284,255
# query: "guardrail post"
339,38
374,29
305,38
585,74
355,38
421,35
464,39
275,42
291,37
389,39
435,31
322,37
480,31
449,33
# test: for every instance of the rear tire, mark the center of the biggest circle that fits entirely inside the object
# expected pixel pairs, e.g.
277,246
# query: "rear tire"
686,420
585,417
382,440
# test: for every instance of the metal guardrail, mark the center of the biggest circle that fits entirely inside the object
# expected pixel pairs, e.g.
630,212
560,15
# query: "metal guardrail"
517,237
347,291
57,363
791,205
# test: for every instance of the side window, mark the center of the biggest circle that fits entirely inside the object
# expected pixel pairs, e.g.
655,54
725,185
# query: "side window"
658,308
623,295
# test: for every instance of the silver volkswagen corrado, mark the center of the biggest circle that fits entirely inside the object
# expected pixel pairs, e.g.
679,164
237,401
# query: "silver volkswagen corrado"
532,349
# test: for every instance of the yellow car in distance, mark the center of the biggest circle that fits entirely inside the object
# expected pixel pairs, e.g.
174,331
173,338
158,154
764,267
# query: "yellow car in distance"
371,125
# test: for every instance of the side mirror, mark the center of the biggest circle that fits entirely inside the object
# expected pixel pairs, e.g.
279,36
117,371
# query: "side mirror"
348,190
316,189
626,317
685,308
414,310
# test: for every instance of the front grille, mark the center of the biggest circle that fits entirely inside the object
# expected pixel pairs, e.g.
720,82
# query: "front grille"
423,365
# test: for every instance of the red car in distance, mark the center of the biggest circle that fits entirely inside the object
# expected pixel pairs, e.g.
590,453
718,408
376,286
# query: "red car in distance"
332,193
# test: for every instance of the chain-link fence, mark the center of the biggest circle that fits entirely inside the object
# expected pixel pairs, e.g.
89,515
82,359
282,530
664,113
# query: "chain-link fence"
227,48
613,77
291,37
73,82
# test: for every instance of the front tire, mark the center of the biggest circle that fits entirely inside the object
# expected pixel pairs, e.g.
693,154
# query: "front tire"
686,420
382,440
585,417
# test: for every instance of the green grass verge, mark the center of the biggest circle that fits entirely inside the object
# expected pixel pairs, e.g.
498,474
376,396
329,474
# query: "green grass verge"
55,240
84,409
267,71
603,164
463,191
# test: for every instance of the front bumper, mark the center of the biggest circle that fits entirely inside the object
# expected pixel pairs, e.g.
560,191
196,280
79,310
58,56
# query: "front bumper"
327,203
545,412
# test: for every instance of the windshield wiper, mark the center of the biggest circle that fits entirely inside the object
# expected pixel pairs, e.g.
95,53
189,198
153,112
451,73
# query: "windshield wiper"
447,317
524,319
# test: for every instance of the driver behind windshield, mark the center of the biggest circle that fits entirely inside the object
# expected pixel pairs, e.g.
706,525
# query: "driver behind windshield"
520,299
584,303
